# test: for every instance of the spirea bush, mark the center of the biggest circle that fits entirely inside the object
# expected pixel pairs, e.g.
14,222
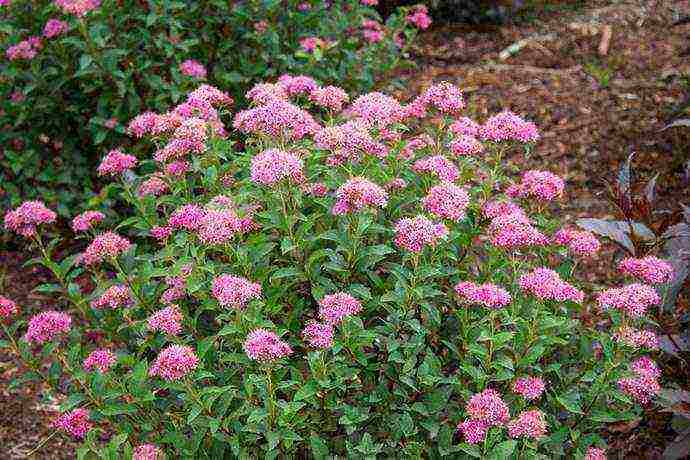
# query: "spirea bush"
75,71
358,278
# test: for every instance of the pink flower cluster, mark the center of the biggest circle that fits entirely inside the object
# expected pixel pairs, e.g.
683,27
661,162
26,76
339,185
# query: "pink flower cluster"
580,243
276,118
154,185
348,142
174,362
466,145
595,453
116,162
329,97
377,109
193,68
309,44
234,291
334,308
168,320
506,126
530,388
538,184
637,338
24,50
492,209
177,285
102,360
439,166
55,27
417,232
47,325
77,422
263,93
105,246
487,294
86,220
27,217
633,299
318,335
187,217
447,201
444,97
419,17
485,409
114,297
7,308
357,194
273,165
465,127
649,269
530,424
78,8
645,384
546,284
514,230
295,85
372,31
265,346
147,452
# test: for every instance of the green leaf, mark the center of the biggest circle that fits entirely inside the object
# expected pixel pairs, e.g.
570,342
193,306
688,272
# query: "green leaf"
503,450
571,401
318,448
85,61
306,392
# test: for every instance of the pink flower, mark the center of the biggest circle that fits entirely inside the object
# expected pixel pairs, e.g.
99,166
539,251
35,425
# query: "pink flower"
594,453
546,284
473,430
506,126
161,233
193,68
177,168
55,27
154,185
488,407
334,308
177,285
530,424
263,93
76,422
492,209
78,8
465,145
47,325
396,184
188,217
445,97
102,360
419,17
372,31
537,184
645,366
415,144
415,233
174,362
637,338
86,220
265,346
439,166
650,269
348,142
234,291
296,85
114,297
318,335
27,217
260,27
487,294
273,165
530,388
377,109
357,194
580,243
24,50
645,385
309,44
276,118
329,97
465,127
147,452
514,230
116,162
166,320
220,226
317,189
106,245
447,201
633,299
7,308
369,2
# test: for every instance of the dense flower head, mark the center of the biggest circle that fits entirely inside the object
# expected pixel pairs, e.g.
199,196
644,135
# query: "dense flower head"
645,366
27,217
265,346
55,27
377,109
115,296
334,308
219,226
506,126
644,385
487,294
168,320
8,308
447,201
419,17
273,165
105,245
116,162
530,388
24,50
413,145
580,243
348,142
465,127
177,168
547,284
329,97
318,335
492,209
444,97
78,8
86,220
474,431
263,93
358,193
276,118
102,360
177,285
161,232
317,189
77,422
396,184
234,291
369,2
309,44
466,145
154,185
633,299
530,424
595,453
514,230
637,338
188,217
538,184
147,452
372,31
47,325
193,68
297,84
212,95
439,166
488,407
414,233
174,362
649,269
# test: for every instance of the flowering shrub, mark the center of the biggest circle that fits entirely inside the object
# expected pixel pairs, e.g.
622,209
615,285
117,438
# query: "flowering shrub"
314,291
92,65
